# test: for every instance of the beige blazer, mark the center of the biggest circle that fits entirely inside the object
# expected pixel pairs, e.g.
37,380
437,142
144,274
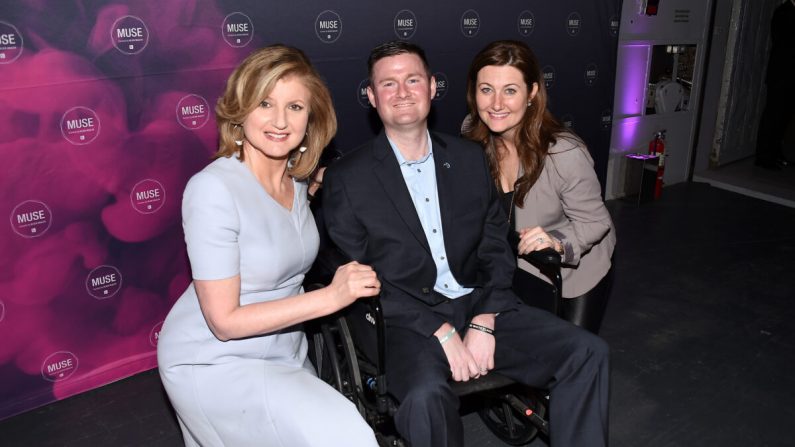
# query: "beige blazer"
566,202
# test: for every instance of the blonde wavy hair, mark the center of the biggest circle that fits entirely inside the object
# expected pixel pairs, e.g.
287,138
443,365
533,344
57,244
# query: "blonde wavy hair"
252,81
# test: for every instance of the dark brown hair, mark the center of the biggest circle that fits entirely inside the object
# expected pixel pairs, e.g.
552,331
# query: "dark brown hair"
394,48
538,128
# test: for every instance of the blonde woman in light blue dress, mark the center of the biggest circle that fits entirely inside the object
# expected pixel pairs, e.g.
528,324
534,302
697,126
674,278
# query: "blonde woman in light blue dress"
231,354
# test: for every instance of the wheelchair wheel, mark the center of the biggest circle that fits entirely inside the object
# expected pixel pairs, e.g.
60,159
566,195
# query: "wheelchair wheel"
334,357
507,423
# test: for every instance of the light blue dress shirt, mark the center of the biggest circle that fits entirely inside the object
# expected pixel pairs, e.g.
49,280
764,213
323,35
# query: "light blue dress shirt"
420,178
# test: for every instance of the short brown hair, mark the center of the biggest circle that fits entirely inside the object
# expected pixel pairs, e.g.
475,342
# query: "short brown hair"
395,48
253,80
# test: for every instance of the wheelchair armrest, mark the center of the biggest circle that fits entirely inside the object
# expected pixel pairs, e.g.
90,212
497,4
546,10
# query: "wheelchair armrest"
541,258
548,261
547,257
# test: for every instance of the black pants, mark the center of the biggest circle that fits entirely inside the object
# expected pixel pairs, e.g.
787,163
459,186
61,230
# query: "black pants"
586,310
533,347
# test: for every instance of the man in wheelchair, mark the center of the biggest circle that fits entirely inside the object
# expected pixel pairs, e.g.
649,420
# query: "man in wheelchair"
421,208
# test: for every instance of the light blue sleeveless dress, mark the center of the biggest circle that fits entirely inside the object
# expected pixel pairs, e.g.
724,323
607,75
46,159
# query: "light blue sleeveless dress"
259,391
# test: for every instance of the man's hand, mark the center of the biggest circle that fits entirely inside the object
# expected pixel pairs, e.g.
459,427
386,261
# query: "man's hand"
462,364
480,344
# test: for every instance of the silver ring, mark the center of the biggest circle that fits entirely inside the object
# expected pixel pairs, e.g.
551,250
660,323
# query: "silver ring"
540,239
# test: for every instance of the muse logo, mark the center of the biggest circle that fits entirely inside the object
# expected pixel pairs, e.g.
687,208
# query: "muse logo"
129,34
31,218
328,26
548,73
573,24
613,25
147,196
470,23
567,120
237,30
59,366
103,282
405,24
192,112
10,43
526,23
607,119
361,93
442,85
80,125
591,74
154,334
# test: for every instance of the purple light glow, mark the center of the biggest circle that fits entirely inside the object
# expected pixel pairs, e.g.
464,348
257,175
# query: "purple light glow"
632,73
627,135
631,81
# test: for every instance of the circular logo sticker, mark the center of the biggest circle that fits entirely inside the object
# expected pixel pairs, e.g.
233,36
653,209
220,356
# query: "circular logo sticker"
526,23
328,26
237,29
10,43
567,120
573,23
470,23
129,34
405,24
591,74
103,282
80,125
59,366
361,94
193,111
607,119
154,334
613,25
441,85
548,72
31,218
148,196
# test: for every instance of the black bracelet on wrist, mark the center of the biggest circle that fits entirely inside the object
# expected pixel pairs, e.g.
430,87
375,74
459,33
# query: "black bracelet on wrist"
480,328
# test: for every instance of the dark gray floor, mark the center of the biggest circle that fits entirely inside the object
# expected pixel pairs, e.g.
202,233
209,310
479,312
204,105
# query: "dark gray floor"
701,327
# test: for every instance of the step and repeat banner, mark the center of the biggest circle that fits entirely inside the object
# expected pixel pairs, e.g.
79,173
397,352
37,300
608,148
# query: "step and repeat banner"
106,110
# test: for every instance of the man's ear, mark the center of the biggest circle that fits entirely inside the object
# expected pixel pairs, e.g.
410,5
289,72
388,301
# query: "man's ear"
433,87
371,97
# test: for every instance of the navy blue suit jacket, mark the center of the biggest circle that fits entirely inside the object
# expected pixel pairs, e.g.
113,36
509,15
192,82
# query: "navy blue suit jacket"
370,216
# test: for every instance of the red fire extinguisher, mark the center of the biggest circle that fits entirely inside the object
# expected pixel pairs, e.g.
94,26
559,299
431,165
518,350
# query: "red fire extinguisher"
657,147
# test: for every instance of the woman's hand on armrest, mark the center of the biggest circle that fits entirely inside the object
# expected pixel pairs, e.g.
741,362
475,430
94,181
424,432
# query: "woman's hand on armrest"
227,319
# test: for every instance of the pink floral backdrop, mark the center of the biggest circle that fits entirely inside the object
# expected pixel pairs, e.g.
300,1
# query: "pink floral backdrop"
106,110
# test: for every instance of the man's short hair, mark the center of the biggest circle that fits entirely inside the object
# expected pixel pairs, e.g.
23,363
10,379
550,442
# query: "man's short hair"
394,48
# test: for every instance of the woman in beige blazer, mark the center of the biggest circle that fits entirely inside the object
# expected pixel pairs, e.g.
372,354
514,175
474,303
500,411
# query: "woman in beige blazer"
552,196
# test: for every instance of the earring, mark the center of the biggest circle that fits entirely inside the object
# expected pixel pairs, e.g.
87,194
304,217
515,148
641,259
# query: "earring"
302,149
529,103
237,142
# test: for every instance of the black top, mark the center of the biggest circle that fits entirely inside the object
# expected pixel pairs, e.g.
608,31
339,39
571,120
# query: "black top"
506,201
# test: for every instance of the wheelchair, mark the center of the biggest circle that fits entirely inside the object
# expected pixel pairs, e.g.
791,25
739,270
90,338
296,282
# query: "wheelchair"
347,349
